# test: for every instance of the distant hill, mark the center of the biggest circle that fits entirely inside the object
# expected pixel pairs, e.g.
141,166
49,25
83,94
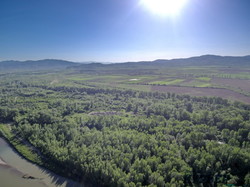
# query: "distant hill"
207,60
147,66
52,64
47,64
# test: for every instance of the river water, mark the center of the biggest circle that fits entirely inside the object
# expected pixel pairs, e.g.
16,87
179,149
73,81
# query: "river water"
13,168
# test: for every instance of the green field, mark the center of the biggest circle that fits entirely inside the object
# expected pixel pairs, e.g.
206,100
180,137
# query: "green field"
168,82
134,78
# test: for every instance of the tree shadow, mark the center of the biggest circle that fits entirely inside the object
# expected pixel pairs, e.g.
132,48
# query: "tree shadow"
60,180
56,179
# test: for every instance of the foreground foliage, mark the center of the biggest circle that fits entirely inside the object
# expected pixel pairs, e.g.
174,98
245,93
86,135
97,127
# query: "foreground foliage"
112,137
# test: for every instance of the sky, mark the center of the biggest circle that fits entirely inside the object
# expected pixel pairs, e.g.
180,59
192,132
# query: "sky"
121,30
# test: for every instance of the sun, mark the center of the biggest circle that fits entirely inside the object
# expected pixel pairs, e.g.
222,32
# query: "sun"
164,7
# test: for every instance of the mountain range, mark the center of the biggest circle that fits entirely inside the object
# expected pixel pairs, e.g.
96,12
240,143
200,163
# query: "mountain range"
208,60
45,64
53,64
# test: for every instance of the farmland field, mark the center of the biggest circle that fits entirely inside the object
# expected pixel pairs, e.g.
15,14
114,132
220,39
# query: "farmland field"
226,82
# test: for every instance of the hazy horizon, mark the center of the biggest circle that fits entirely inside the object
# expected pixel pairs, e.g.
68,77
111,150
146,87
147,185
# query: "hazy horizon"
113,62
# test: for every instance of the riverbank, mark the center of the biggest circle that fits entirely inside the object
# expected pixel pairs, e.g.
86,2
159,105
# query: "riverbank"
22,149
22,173
28,153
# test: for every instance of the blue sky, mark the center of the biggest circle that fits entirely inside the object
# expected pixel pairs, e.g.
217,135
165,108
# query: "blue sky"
121,30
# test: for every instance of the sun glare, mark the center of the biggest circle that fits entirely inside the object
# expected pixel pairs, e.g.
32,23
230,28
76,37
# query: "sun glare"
164,7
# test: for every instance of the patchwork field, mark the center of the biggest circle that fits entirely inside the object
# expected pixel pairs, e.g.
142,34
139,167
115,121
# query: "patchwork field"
232,83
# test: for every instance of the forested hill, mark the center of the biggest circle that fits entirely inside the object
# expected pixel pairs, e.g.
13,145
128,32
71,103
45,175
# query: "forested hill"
207,60
45,64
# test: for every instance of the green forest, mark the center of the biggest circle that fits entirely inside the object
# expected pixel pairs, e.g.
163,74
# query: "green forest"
106,136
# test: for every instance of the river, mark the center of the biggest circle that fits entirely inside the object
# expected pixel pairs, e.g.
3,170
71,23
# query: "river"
13,168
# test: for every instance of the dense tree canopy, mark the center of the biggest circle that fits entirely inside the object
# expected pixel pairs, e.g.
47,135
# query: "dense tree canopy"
112,137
